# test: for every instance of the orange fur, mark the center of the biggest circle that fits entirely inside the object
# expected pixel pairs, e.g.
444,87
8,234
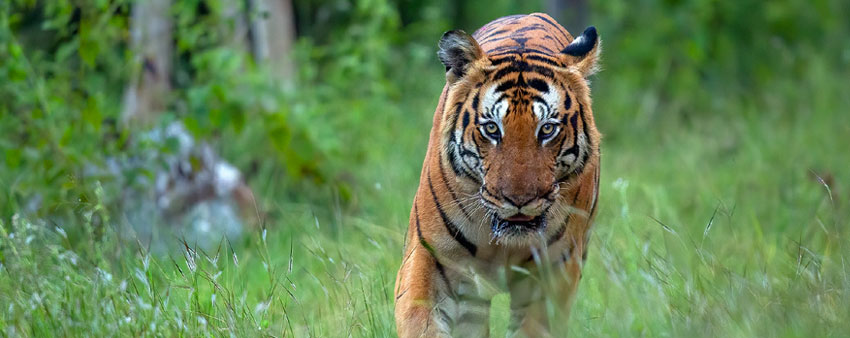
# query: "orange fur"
468,222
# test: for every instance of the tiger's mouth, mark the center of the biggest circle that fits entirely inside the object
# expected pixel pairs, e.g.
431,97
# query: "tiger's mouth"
514,226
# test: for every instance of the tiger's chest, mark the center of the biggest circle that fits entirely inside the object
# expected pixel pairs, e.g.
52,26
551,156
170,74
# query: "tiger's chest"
470,284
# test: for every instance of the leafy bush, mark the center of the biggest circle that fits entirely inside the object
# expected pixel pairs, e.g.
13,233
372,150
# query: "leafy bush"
66,65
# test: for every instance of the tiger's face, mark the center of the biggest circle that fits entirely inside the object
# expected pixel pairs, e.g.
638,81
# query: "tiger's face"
517,128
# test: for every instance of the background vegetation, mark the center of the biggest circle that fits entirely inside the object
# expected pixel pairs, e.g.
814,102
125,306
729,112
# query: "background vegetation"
724,201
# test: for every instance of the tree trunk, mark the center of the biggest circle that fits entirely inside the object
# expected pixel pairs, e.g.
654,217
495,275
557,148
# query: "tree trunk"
273,36
151,42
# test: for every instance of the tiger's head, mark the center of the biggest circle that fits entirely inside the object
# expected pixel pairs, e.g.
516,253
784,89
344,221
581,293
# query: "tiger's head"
517,128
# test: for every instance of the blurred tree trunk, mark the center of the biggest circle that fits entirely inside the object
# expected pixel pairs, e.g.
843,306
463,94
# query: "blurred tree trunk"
273,36
151,42
234,13
572,14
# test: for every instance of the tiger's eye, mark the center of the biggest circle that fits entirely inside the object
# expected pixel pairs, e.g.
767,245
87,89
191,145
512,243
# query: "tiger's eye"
547,130
491,129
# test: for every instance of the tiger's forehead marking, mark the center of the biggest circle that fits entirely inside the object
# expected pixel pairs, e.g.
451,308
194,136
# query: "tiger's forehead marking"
548,104
494,104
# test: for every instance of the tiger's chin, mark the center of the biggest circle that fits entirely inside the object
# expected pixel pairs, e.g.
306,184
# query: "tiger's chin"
517,233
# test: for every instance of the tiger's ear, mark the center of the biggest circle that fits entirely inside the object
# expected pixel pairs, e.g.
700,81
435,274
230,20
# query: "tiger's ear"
457,51
583,52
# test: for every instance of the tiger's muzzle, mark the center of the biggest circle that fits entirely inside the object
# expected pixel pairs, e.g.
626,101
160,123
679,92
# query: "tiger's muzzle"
513,213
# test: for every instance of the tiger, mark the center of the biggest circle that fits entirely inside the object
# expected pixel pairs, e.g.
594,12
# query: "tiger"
509,184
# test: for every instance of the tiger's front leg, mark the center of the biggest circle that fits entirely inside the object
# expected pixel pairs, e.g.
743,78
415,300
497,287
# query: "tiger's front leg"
417,312
429,305
535,319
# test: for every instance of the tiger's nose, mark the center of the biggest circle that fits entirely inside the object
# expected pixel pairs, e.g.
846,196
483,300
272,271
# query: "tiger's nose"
524,198
519,201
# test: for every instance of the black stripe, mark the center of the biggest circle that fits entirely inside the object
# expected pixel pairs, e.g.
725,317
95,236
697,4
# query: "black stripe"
568,102
557,236
452,155
418,228
520,80
560,233
513,68
442,272
561,138
450,226
530,28
484,32
573,120
401,294
584,156
459,169
494,39
491,35
506,50
521,41
442,103
496,62
596,198
556,39
544,60
584,127
439,266
542,71
545,49
445,317
477,150
455,116
467,171
452,192
582,162
523,67
557,26
504,86
471,175
575,198
540,86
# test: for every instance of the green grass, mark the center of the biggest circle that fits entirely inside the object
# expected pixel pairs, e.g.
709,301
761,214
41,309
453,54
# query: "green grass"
710,226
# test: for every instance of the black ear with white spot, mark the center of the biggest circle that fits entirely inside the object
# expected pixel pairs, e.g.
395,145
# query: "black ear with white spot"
457,51
583,52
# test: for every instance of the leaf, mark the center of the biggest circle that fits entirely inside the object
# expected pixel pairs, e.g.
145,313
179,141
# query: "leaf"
92,114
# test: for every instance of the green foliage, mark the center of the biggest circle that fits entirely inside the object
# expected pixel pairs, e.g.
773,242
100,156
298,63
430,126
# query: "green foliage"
59,102
66,66
693,58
